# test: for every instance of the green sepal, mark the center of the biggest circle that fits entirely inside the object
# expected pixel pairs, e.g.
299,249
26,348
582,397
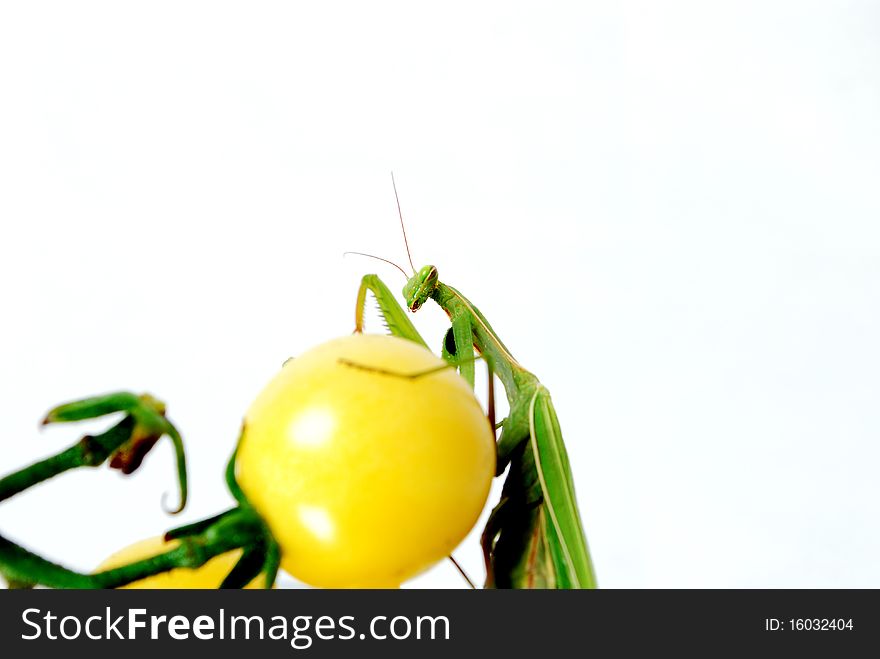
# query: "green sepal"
248,567
273,560
93,407
194,528
231,481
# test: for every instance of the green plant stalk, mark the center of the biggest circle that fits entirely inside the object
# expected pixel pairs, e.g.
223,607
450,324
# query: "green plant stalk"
241,527
90,451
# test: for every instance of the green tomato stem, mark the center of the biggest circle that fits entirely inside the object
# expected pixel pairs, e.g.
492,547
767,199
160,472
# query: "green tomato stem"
241,527
90,451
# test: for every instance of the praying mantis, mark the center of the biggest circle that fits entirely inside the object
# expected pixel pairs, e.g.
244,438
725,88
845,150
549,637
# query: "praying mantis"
534,537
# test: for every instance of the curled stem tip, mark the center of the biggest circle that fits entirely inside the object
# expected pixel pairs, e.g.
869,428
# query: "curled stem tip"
180,456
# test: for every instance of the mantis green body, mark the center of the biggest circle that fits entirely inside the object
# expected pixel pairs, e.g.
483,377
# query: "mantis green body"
534,537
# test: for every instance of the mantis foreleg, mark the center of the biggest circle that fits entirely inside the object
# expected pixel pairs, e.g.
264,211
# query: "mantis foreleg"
394,316
464,344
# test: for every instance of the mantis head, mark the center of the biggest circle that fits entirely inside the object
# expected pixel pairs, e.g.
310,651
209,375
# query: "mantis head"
420,287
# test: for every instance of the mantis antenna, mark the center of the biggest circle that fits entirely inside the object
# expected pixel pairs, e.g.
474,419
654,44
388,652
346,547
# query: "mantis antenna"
373,256
402,228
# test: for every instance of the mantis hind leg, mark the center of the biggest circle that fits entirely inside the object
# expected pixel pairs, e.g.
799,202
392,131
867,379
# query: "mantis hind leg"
515,543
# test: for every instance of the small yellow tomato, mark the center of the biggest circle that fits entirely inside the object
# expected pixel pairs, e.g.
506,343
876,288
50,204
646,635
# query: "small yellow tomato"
366,478
209,575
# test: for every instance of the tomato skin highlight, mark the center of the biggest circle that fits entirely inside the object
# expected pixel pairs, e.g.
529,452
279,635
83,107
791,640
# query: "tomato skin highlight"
209,575
364,477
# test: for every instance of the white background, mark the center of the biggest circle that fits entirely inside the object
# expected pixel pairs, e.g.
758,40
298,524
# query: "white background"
668,211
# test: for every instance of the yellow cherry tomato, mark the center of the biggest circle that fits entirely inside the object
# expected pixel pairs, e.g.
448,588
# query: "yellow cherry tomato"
209,575
366,477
